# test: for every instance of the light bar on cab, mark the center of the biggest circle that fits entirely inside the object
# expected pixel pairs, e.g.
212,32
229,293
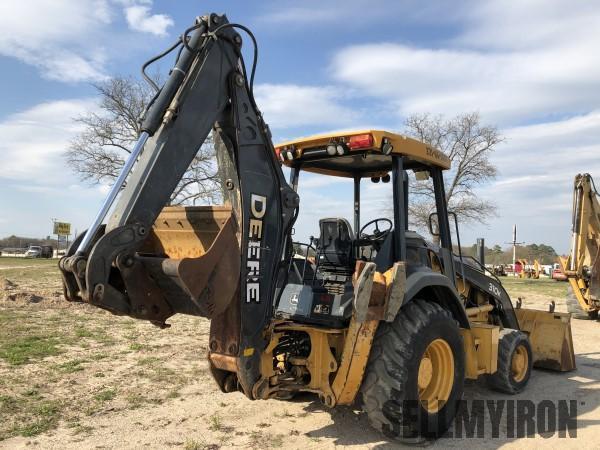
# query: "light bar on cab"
360,141
285,153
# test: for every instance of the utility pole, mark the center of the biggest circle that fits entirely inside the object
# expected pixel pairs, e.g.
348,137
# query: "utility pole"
54,220
514,245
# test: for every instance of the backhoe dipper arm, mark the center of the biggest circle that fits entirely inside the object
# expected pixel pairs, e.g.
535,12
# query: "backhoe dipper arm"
582,267
206,90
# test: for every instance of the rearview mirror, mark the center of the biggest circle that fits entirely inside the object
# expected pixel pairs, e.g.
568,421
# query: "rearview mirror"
433,224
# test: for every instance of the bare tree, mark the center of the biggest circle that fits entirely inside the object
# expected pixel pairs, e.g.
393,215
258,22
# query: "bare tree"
469,144
99,151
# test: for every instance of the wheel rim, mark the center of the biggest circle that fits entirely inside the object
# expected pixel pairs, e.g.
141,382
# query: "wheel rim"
520,363
436,375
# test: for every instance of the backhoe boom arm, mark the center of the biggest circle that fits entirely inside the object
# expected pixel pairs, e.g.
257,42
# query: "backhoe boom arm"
126,268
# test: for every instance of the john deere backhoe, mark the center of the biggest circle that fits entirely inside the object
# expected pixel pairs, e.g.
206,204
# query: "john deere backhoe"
582,266
380,315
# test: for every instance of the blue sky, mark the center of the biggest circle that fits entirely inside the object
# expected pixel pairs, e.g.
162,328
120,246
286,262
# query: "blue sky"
532,68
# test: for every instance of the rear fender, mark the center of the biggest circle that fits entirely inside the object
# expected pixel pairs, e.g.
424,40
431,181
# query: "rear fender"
437,288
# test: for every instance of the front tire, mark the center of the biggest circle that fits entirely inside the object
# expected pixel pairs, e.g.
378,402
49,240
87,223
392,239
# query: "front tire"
515,361
415,374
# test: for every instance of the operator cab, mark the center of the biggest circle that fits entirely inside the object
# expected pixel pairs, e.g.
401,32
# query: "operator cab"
319,288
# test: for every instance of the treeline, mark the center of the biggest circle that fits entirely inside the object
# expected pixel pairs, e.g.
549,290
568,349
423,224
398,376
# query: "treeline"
496,255
545,254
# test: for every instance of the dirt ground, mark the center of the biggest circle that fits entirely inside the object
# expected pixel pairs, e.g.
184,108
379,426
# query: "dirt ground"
72,376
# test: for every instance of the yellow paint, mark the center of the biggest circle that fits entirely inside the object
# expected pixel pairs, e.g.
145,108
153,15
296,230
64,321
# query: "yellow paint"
357,347
519,363
436,375
481,349
550,337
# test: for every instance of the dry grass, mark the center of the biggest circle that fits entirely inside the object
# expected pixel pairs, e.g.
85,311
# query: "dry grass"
517,287
65,365
29,271
61,362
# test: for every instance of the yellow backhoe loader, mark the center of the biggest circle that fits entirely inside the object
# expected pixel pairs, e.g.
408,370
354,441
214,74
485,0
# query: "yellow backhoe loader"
582,266
379,315
529,271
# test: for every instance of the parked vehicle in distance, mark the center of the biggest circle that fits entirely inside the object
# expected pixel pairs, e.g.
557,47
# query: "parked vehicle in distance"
39,251
500,270
35,251
558,275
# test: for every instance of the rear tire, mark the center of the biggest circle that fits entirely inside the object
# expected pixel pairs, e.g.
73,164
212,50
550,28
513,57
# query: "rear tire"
574,307
515,360
419,356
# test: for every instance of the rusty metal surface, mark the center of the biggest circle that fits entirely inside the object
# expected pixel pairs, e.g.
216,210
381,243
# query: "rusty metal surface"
186,232
224,362
224,343
212,279
193,255
225,329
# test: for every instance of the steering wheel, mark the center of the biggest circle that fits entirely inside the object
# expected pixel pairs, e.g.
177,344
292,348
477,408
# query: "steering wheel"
377,235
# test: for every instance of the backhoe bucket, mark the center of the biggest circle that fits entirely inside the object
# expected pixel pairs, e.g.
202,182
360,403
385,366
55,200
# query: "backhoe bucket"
550,337
193,256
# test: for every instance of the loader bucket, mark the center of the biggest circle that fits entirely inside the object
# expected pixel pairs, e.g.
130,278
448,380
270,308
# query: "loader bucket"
550,337
192,254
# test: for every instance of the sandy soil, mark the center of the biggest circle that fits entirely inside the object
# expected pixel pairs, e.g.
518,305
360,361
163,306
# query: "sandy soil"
179,406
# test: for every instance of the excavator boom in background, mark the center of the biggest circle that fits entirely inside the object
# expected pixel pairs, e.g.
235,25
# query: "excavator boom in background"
582,266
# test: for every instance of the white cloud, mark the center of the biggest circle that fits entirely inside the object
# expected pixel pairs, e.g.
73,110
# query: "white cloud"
63,39
139,18
35,182
360,13
537,165
33,142
505,24
55,36
502,86
537,67
290,105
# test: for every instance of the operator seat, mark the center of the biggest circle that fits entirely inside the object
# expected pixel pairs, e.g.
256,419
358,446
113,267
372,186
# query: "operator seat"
335,253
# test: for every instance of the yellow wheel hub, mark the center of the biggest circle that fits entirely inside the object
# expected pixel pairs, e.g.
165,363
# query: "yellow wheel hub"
436,375
519,364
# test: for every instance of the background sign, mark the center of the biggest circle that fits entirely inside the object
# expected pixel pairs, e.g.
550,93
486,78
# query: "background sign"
62,228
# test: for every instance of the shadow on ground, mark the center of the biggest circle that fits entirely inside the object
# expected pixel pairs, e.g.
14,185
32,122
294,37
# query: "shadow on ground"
351,427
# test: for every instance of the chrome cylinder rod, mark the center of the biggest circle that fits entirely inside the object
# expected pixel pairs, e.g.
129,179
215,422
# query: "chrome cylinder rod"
112,195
